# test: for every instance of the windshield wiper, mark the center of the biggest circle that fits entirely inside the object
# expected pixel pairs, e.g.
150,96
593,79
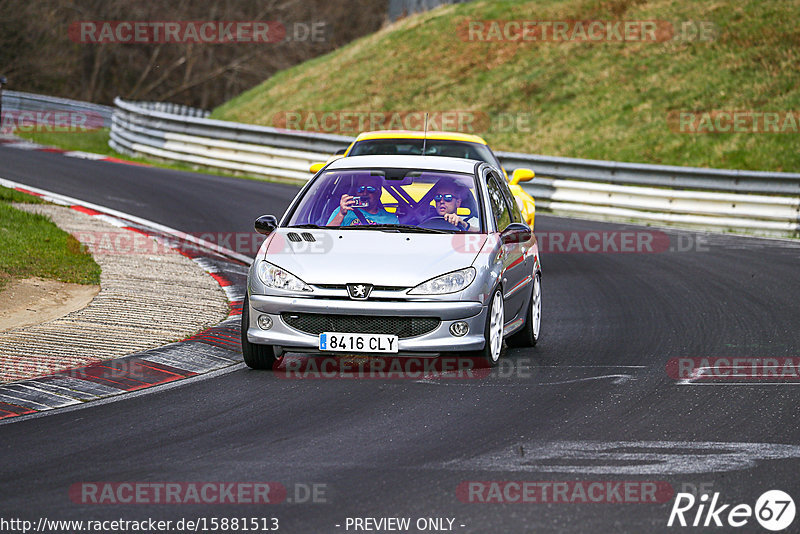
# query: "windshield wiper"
384,227
406,227
309,225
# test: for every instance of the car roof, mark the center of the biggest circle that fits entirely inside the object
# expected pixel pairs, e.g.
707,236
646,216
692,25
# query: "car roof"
411,134
433,163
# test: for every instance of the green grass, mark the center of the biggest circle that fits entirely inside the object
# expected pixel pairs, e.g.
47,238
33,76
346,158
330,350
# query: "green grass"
12,195
590,100
95,141
33,246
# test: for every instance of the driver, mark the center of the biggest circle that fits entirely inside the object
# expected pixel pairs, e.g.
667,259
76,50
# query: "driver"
448,199
369,188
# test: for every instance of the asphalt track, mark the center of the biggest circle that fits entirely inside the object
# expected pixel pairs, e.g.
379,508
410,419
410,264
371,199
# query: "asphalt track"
592,402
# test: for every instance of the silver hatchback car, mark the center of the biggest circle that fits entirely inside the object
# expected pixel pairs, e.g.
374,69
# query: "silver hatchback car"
395,255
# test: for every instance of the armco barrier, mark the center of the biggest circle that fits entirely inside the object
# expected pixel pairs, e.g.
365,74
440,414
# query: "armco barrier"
17,101
234,147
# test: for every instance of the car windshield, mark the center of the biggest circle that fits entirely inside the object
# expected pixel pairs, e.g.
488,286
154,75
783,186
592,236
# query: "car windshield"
433,147
405,200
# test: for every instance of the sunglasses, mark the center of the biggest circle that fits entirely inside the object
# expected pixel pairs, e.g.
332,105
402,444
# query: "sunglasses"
446,198
367,188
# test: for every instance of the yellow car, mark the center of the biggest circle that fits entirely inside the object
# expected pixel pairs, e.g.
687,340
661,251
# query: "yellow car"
451,144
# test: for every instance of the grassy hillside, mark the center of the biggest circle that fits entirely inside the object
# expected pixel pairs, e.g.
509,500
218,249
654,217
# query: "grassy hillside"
599,100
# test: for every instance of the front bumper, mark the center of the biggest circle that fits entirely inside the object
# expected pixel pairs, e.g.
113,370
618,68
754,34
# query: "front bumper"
437,341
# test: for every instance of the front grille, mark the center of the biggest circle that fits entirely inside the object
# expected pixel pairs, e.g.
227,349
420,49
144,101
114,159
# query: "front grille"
402,327
343,287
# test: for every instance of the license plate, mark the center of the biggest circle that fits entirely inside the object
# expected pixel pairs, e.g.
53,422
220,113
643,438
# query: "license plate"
344,342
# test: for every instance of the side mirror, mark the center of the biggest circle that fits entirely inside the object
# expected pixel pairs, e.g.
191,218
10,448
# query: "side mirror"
516,233
340,152
521,175
266,224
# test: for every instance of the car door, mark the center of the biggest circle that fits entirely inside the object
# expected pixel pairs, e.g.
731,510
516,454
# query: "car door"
516,269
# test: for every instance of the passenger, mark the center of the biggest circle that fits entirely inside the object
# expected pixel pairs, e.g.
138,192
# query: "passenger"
448,199
369,189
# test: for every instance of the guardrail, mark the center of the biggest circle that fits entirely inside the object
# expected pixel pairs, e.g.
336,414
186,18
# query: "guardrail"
233,147
174,109
18,101
766,203
404,8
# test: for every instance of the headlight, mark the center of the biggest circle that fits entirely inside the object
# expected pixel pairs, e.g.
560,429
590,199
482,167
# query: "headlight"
275,277
447,283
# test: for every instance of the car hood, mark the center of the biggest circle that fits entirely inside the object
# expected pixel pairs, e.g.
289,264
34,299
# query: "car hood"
370,256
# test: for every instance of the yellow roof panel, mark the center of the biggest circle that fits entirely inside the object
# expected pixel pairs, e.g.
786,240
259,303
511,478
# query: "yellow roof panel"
411,134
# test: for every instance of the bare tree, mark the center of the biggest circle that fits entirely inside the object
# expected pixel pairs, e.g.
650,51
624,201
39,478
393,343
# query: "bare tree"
38,55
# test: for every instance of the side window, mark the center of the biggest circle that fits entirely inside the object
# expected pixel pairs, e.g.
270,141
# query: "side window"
500,211
516,214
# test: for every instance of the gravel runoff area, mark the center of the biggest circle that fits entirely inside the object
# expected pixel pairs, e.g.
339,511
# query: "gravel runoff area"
150,295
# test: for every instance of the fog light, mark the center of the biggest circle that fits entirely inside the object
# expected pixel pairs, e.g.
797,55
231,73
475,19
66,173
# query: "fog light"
459,328
264,322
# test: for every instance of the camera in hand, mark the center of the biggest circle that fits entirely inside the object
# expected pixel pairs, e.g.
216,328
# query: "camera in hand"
360,202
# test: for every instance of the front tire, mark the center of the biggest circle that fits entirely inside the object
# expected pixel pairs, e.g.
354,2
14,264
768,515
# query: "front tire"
256,356
528,335
493,331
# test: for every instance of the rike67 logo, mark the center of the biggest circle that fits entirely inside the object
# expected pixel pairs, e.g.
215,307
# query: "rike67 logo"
774,510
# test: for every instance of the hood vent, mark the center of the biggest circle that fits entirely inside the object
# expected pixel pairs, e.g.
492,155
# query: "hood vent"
308,237
294,237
